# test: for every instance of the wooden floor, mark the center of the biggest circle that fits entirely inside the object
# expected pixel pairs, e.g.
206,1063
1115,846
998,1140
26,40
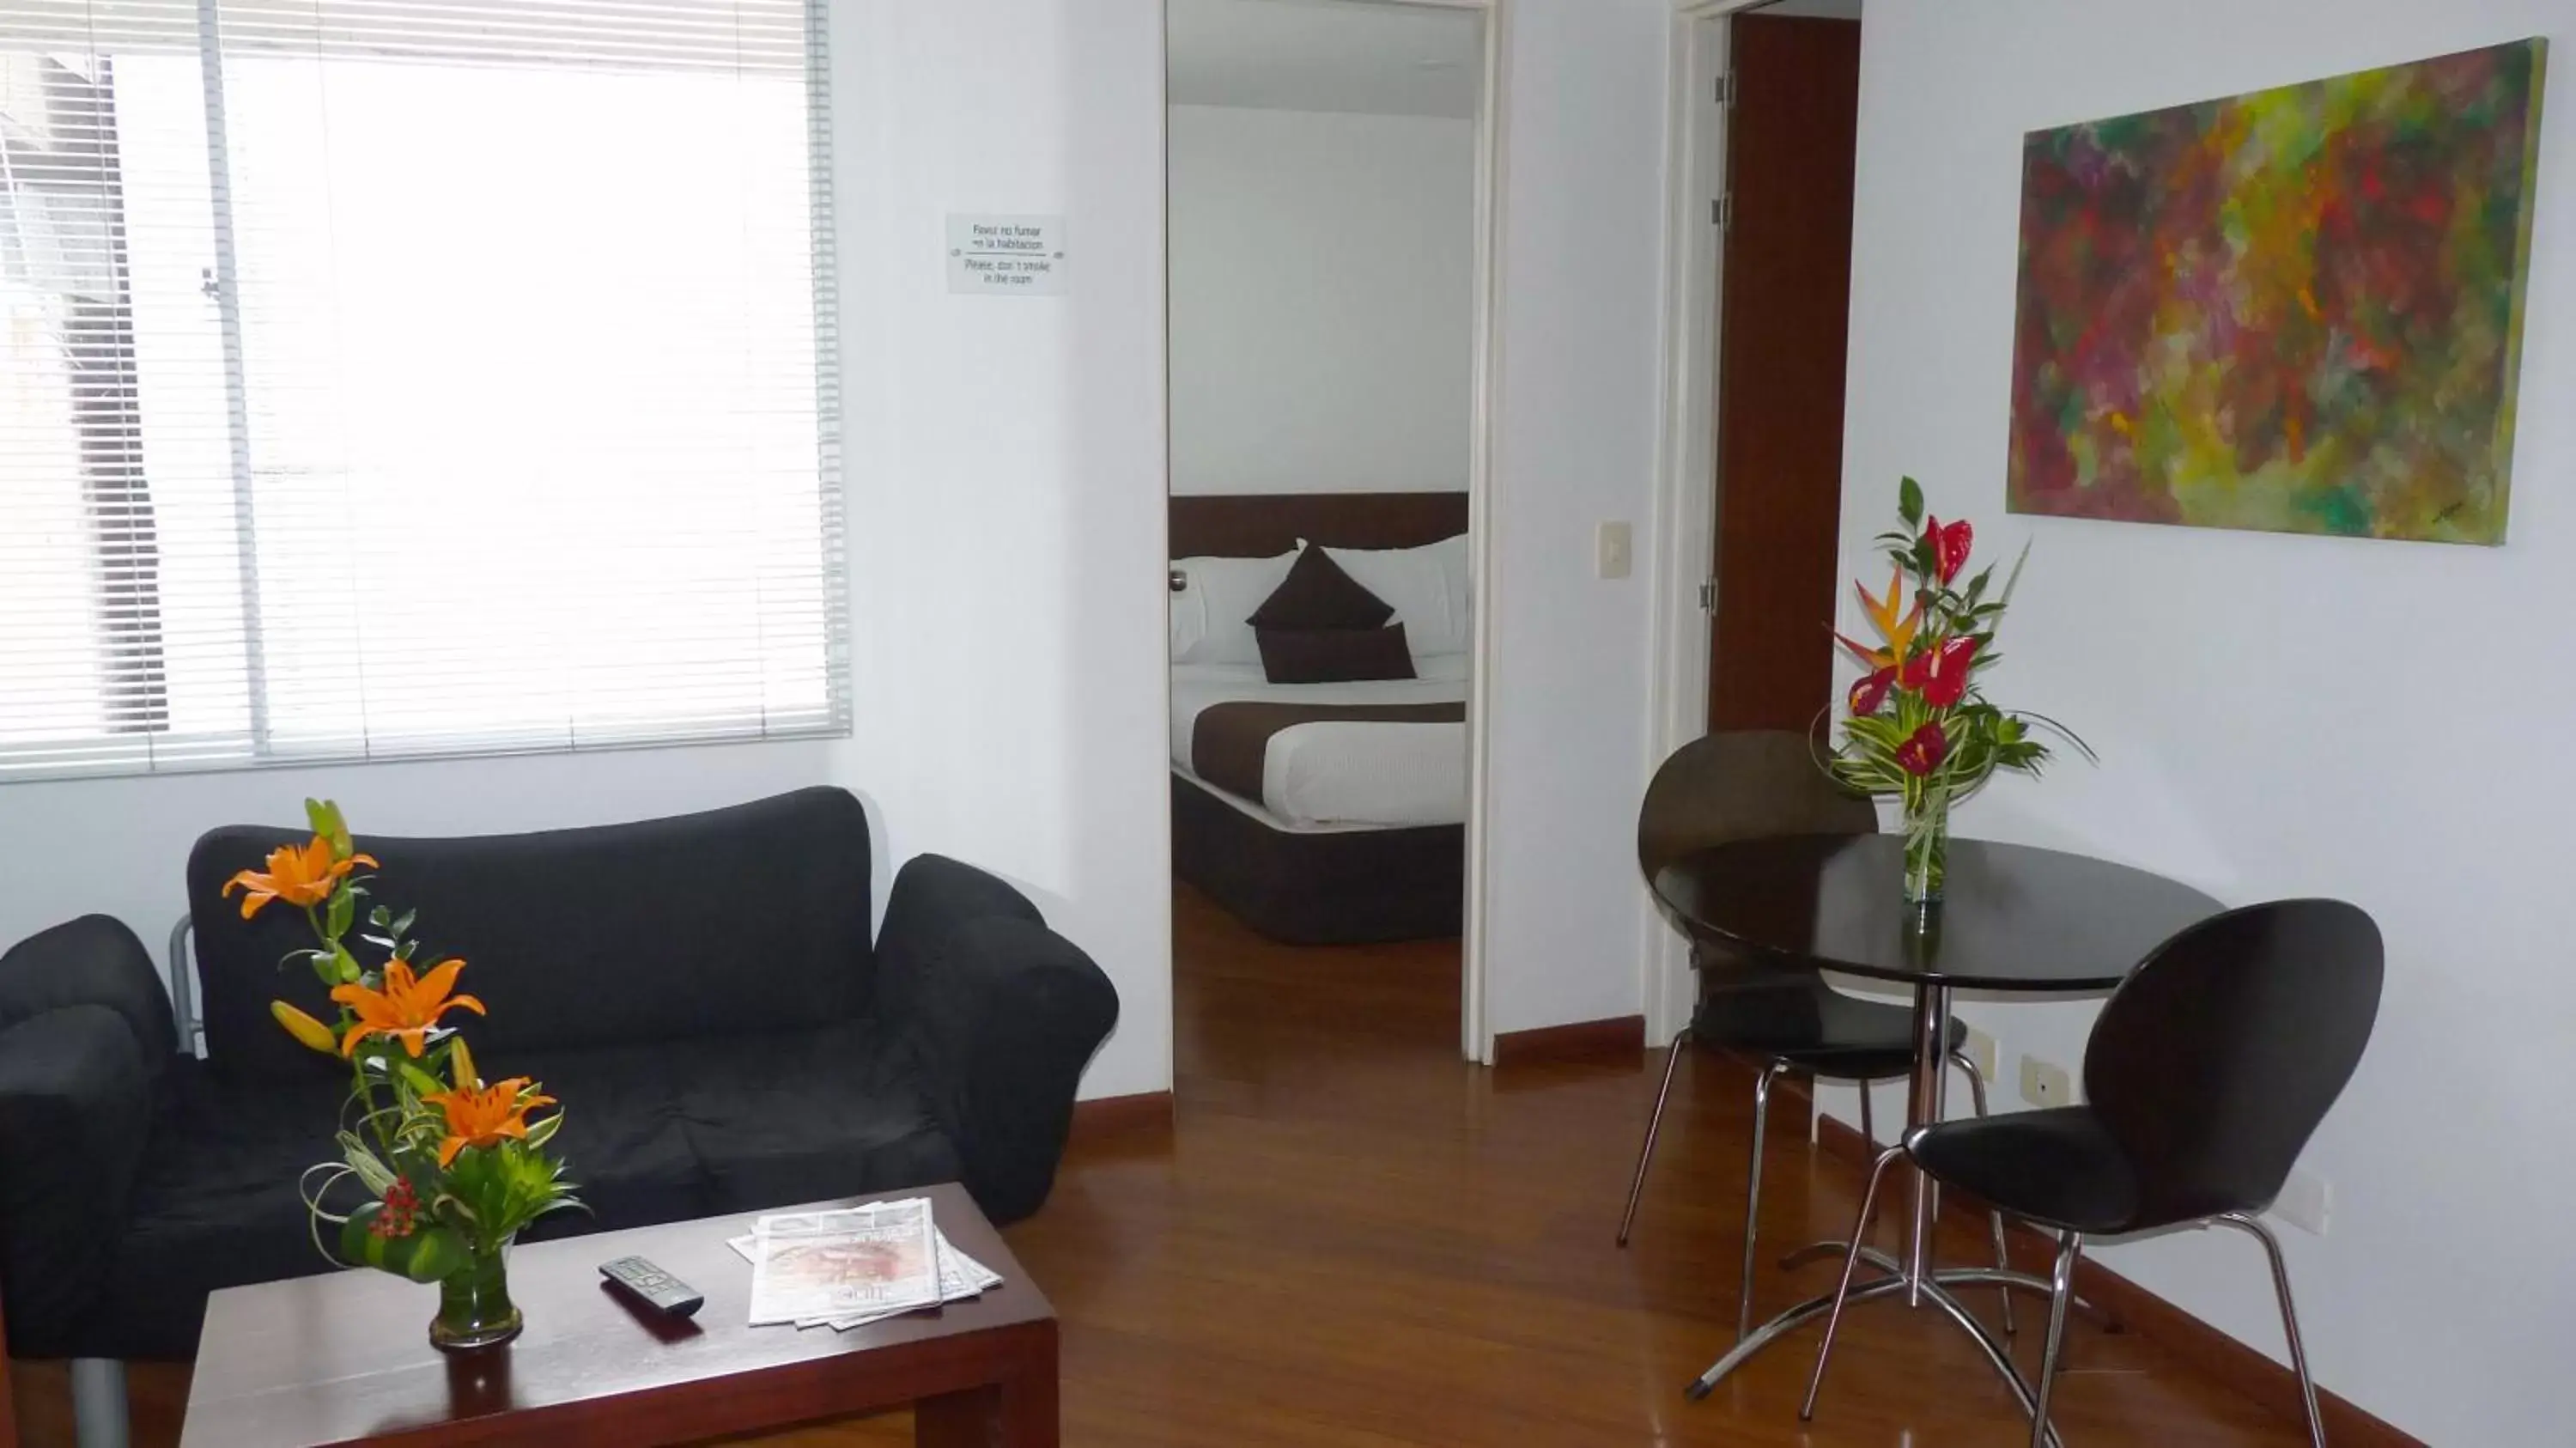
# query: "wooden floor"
1353,1240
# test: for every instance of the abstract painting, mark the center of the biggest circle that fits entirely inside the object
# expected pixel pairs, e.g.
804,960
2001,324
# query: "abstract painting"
2297,310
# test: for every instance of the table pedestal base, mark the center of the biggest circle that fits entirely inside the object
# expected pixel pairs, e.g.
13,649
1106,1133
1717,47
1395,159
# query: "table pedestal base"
1914,1276
1933,1288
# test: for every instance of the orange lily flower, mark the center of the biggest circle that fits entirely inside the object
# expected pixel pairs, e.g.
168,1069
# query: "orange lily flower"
406,1009
1899,632
484,1115
299,875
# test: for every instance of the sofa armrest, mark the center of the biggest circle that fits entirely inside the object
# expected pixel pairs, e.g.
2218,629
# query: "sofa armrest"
92,961
1001,1014
75,1110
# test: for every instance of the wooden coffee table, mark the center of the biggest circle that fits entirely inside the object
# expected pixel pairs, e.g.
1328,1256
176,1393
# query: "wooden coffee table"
345,1357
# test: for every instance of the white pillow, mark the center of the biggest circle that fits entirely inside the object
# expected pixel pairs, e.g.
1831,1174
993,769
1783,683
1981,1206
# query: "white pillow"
1427,587
1220,593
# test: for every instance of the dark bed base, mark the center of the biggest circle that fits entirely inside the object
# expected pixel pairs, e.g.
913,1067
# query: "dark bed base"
1345,888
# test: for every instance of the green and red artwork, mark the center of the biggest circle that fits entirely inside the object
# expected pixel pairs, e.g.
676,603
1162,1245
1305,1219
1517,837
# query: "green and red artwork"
2297,310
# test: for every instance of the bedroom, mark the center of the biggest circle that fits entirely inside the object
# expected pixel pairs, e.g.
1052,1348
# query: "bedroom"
1323,198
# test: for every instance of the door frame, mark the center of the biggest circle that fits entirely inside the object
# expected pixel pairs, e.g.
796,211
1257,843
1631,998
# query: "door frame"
1686,485
1475,1035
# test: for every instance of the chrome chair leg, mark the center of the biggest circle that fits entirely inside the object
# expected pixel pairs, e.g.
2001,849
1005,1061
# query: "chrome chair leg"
2253,1225
1994,1218
1868,1131
1654,1123
1842,1291
1771,1071
2061,1287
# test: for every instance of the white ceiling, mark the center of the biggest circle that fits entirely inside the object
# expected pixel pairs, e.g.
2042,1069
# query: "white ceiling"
1325,55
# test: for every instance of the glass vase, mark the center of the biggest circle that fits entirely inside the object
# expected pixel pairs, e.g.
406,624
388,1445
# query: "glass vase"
1927,847
474,1307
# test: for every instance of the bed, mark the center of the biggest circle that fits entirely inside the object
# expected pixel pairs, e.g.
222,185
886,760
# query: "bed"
1321,813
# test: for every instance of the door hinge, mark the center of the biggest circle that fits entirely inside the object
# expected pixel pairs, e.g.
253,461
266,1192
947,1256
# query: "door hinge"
1726,88
1708,596
1721,211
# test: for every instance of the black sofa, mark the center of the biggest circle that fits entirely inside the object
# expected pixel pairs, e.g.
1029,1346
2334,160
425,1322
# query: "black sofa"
701,993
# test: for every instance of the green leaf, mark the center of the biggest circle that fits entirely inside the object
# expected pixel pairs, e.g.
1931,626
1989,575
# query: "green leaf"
371,1169
1909,502
2013,579
378,916
344,966
426,1254
342,913
324,816
402,922
417,1079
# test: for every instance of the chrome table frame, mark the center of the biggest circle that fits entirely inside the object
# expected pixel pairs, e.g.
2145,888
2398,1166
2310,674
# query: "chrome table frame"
1915,1276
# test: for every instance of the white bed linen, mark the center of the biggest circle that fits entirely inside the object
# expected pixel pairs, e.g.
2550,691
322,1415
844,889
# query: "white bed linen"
1372,774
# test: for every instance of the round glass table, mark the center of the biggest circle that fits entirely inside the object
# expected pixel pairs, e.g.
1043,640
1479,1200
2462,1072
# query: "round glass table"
2011,919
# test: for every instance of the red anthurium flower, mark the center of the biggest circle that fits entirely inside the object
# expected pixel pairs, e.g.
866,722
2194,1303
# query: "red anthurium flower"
1940,673
1949,546
1869,691
1923,750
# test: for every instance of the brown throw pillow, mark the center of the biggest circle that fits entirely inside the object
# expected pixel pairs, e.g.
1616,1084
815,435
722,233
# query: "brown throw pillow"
1333,655
1317,594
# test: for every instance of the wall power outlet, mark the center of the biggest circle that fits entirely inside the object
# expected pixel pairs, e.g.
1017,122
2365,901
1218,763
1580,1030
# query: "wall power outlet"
2045,1083
1980,1049
2306,1201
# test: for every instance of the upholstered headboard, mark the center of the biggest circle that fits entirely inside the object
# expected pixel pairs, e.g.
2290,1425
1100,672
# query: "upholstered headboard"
1261,525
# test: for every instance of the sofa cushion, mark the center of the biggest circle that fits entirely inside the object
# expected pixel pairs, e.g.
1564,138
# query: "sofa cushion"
749,919
803,1116
215,1204
651,1134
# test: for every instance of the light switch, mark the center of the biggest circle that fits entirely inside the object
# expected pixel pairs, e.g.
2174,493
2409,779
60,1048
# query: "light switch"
1610,550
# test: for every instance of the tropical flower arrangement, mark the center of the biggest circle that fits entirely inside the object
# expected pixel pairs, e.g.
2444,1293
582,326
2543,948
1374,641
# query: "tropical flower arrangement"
452,1167
1918,728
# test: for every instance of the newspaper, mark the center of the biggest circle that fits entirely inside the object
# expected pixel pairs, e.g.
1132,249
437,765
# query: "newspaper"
960,1277
861,1261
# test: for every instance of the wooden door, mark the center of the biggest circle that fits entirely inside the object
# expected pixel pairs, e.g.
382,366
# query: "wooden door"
1784,316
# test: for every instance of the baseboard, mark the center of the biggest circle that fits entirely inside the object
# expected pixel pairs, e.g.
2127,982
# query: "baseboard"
1148,1113
1620,1038
2132,1308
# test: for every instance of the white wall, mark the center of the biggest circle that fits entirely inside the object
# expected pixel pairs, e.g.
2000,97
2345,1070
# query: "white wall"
1323,269
1581,262
1006,468
1005,489
1006,499
2276,715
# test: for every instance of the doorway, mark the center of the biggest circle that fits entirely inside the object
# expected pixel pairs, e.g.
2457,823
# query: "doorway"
1758,257
1328,211
1785,220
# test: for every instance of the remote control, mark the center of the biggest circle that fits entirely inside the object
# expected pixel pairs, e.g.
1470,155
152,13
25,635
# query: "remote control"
656,1288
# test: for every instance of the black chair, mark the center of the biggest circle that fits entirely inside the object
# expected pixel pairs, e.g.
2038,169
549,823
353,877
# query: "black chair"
2206,1073
1743,785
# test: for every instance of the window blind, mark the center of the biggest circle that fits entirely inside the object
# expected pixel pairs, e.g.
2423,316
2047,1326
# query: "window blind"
399,377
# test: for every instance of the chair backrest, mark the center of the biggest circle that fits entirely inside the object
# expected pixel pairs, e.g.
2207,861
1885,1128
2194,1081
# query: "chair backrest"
2214,1061
736,920
1741,785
